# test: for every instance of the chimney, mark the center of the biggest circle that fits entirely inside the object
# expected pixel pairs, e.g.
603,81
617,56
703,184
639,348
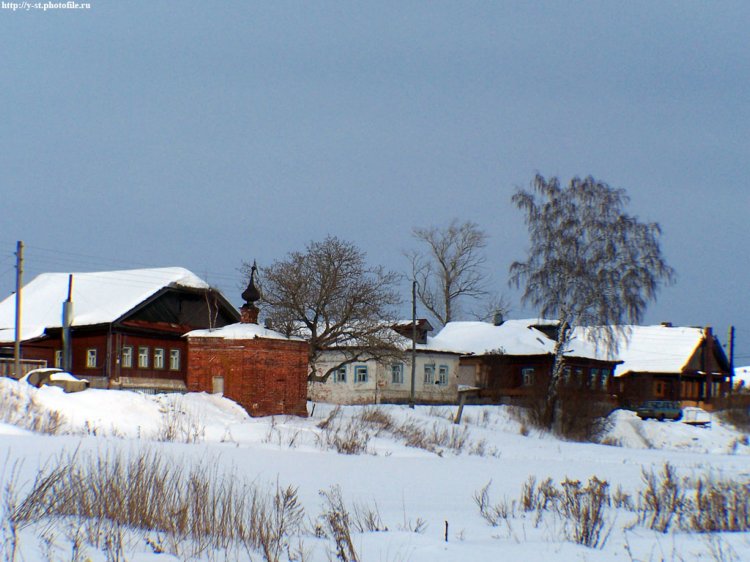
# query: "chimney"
67,320
497,318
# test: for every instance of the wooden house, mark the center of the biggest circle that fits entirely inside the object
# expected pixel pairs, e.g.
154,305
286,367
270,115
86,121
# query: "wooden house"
125,327
511,360
668,362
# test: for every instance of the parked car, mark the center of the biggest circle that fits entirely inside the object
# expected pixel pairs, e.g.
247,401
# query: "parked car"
55,377
696,416
660,410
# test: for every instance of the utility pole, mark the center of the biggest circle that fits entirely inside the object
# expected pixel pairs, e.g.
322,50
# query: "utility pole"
67,320
413,341
19,283
731,359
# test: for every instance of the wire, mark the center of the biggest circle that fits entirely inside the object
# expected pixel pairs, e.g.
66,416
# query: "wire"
42,258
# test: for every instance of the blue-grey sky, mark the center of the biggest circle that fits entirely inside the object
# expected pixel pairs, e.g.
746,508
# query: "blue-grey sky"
202,134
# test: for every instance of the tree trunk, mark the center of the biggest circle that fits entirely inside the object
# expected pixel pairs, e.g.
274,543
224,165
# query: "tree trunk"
563,337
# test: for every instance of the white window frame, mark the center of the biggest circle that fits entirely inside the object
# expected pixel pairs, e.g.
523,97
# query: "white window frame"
91,358
593,377
143,357
126,357
527,376
158,358
397,373
443,375
174,359
58,358
339,375
429,374
360,374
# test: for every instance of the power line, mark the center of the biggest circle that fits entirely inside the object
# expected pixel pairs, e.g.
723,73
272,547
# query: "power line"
42,257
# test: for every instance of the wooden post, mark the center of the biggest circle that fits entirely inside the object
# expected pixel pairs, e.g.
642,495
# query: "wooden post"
19,283
412,398
461,402
731,360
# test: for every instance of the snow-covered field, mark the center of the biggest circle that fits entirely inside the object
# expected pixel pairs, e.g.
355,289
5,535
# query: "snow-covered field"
414,491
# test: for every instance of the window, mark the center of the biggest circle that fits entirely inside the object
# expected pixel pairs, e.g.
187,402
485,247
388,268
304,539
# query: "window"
217,385
579,376
604,378
715,390
339,375
429,374
527,376
174,359
158,358
127,356
360,373
659,388
443,375
566,375
397,373
58,358
91,358
593,378
143,357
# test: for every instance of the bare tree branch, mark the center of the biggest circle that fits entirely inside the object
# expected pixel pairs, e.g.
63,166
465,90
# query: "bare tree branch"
449,267
332,298
590,263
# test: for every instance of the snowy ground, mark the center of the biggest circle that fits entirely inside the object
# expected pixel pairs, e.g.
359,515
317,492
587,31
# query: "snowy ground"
410,487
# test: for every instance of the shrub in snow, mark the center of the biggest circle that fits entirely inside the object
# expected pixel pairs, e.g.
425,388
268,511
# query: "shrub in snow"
19,406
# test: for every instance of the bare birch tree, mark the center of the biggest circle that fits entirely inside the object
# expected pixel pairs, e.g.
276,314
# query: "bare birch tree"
331,297
449,267
589,264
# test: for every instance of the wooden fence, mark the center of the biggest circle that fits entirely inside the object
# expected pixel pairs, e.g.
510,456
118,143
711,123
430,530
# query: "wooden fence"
8,366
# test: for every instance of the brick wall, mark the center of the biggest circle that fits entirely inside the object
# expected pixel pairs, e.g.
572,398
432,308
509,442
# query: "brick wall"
265,376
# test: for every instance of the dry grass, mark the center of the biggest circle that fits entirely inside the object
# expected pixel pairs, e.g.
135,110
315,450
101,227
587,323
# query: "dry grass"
583,508
352,436
663,499
21,409
336,524
179,425
193,509
493,512
705,505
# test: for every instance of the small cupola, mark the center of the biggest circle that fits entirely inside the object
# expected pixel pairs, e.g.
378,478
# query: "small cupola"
248,311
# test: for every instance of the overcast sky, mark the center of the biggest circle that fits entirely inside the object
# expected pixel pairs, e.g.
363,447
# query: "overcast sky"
203,134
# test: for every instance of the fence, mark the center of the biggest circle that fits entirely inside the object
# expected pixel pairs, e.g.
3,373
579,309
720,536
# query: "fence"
8,366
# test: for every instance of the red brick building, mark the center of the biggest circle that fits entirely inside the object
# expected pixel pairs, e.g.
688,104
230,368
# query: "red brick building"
262,370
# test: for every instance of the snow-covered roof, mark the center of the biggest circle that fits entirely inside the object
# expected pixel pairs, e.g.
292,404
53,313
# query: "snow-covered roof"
512,337
388,333
656,349
98,297
240,331
432,345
